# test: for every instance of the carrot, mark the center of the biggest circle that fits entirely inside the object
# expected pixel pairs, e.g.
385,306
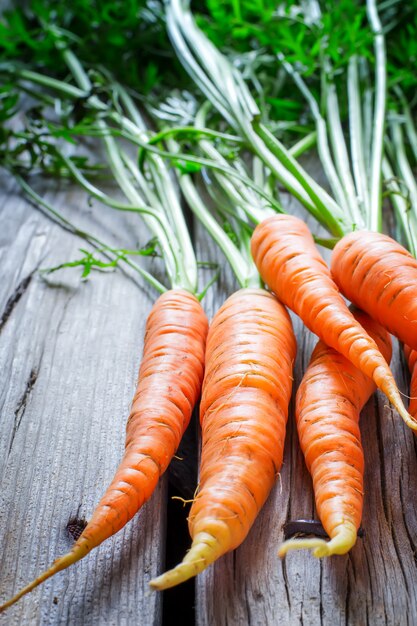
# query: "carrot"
247,387
168,387
328,403
411,356
289,262
379,276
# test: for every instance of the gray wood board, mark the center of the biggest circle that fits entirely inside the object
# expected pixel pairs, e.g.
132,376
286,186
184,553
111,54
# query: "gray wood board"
376,583
69,355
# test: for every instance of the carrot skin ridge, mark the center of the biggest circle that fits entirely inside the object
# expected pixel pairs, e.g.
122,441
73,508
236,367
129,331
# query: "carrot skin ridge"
169,384
246,391
329,400
379,276
290,264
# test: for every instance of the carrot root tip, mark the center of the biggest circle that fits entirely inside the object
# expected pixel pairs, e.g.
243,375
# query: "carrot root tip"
204,550
79,550
343,540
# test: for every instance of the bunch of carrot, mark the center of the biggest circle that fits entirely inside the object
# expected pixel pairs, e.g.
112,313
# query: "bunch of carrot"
377,274
248,359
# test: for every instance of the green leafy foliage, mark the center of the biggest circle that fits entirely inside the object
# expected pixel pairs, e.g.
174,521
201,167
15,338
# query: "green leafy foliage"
9,99
301,34
128,37
402,48
186,167
90,261
228,229
316,38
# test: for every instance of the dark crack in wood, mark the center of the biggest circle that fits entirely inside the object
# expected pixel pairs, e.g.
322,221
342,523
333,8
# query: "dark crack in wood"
380,442
248,607
321,608
348,595
14,299
286,584
21,406
407,530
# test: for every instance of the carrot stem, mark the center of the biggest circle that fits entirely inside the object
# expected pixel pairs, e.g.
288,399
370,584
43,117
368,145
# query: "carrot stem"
356,135
92,239
322,136
339,148
374,222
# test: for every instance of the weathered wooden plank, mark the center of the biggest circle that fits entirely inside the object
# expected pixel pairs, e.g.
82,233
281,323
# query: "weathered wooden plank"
69,356
376,583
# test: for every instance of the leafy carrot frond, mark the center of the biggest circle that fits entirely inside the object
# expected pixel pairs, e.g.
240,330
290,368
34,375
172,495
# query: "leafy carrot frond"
91,262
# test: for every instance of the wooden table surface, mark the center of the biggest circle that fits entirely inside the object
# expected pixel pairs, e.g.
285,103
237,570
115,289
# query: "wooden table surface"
69,355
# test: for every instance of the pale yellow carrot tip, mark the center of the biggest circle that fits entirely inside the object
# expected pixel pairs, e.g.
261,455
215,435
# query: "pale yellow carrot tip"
204,550
77,553
342,542
408,419
397,402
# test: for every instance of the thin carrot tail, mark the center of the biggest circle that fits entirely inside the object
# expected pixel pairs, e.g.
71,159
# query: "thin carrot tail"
204,550
343,540
411,356
391,391
79,550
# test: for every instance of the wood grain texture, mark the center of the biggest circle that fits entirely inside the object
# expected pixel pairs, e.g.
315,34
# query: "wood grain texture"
69,356
377,582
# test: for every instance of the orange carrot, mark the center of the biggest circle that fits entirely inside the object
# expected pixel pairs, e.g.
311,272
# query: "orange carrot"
289,262
379,276
247,387
411,356
328,403
168,387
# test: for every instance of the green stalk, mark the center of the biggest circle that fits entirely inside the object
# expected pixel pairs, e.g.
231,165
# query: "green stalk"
243,268
367,107
374,222
322,137
99,195
236,191
52,83
255,213
176,131
179,274
406,219
210,70
339,148
275,157
229,171
403,164
303,145
179,18
131,132
328,213
166,197
91,239
117,165
177,278
233,256
169,199
409,122
356,135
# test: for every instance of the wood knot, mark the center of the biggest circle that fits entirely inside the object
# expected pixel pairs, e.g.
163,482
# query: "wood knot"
75,527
